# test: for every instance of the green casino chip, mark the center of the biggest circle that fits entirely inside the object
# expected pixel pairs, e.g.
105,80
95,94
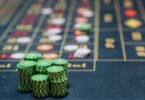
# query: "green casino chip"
86,27
62,62
32,56
40,85
42,65
58,88
56,72
25,70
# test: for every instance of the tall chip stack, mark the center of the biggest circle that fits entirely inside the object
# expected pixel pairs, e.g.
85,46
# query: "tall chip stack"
58,81
25,70
40,85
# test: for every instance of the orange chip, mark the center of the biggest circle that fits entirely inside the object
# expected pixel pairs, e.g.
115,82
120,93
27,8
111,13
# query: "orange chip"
45,47
50,55
81,10
78,32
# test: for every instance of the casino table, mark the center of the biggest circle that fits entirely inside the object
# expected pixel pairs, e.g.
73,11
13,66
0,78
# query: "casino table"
114,67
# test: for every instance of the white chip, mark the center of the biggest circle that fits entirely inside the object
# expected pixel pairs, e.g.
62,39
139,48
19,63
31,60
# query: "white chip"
17,55
77,25
53,31
82,52
23,40
46,11
55,38
70,48
82,39
88,13
57,21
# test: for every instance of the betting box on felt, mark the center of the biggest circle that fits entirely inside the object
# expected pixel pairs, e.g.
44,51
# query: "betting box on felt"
102,40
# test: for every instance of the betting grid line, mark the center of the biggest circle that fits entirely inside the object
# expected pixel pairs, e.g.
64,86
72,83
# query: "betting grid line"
67,27
134,43
36,31
96,32
141,8
120,28
17,16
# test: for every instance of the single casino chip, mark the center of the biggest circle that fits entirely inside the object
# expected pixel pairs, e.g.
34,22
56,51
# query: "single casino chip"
77,26
81,39
86,27
32,56
46,11
55,38
70,47
40,85
50,55
82,52
53,31
81,20
57,21
78,32
45,47
3,56
18,55
130,13
23,40
87,13
81,10
49,26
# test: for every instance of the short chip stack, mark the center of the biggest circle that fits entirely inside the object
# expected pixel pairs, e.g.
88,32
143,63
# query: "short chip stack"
42,76
63,63
40,85
26,70
58,81
59,88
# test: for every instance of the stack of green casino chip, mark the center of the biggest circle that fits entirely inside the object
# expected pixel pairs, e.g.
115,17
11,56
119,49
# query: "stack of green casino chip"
63,63
25,70
40,85
32,56
42,76
59,88
58,81
86,27
42,65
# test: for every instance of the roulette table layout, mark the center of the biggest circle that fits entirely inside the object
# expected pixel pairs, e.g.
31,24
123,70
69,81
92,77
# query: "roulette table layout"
110,33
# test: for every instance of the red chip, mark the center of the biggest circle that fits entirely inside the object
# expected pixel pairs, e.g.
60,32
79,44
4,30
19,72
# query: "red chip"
130,13
20,33
49,26
3,56
71,56
45,47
